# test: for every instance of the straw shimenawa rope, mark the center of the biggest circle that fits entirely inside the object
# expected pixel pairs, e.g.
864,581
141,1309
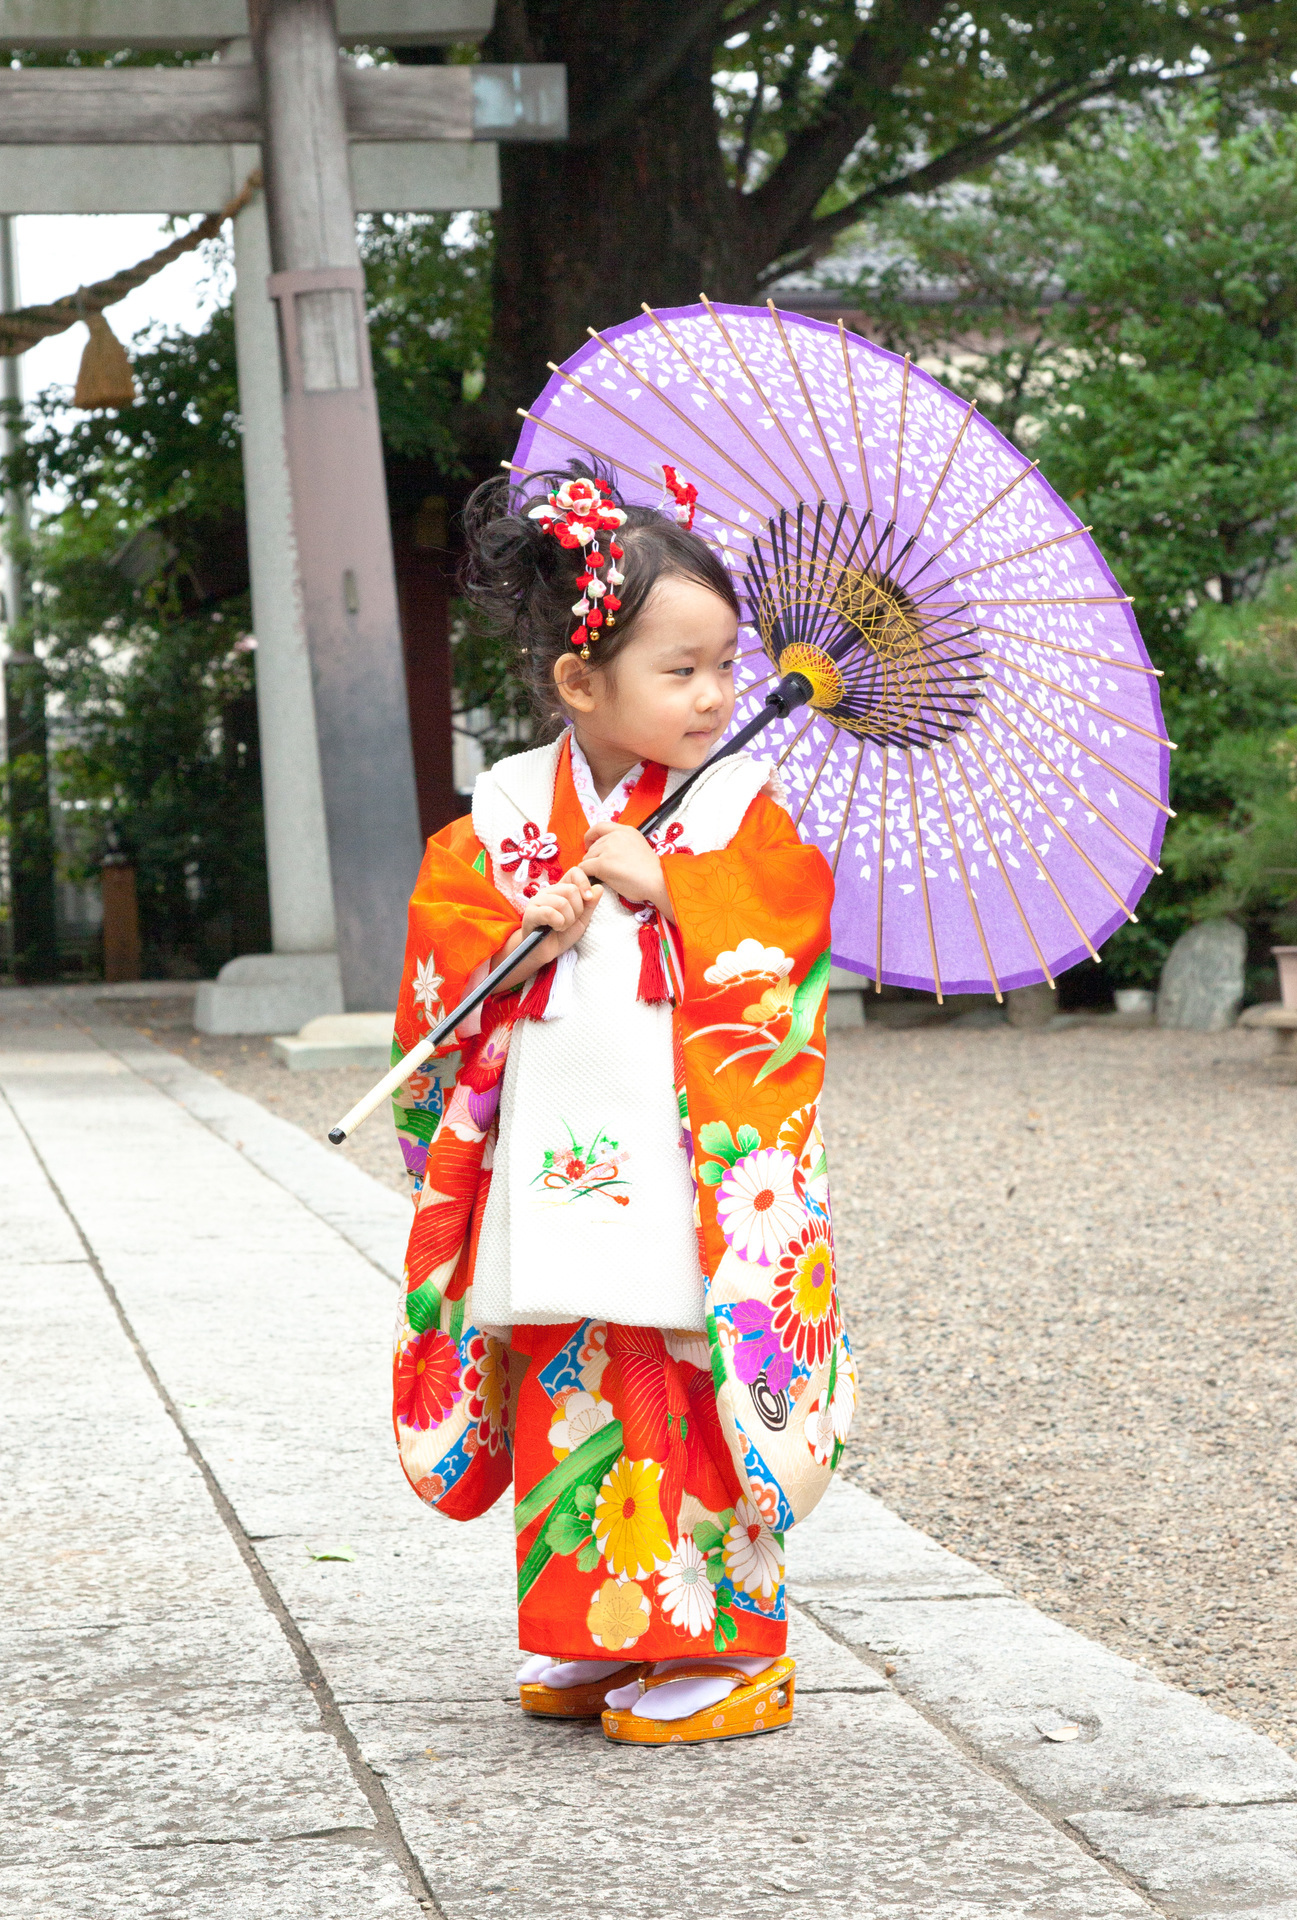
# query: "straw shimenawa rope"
21,330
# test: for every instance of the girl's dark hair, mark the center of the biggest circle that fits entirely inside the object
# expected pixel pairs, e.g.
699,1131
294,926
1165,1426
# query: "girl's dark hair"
523,582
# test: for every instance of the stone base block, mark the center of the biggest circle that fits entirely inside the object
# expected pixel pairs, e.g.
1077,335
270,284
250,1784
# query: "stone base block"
339,1040
846,1003
269,993
845,1008
1033,1006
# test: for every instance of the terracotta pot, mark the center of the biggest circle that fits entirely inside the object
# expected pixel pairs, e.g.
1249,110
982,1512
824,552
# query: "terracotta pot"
1286,957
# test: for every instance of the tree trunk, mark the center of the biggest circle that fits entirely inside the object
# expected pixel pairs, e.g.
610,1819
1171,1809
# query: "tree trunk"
587,231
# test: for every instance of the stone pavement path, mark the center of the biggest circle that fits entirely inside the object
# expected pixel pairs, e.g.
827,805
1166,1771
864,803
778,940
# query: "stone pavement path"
202,1717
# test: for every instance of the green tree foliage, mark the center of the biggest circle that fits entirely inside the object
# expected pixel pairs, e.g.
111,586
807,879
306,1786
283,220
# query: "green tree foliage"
139,601
721,144
428,284
1128,313
1235,849
140,605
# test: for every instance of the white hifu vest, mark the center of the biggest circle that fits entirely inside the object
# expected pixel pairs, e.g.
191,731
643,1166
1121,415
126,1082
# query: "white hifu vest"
591,1208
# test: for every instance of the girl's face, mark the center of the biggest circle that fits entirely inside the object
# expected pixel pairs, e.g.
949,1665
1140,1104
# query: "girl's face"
669,694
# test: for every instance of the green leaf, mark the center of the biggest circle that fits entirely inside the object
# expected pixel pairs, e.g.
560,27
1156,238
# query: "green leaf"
715,1137
726,1630
585,1499
725,1520
416,1122
749,1139
717,1353
456,1327
479,865
568,1531
588,1558
716,1568
332,1553
707,1535
423,1307
713,1172
807,1002
542,1551
592,1458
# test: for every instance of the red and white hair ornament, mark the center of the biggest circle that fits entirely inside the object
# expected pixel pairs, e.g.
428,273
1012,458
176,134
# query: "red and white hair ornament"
577,514
685,495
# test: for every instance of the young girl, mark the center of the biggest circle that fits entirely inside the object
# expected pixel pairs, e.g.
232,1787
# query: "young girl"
620,1282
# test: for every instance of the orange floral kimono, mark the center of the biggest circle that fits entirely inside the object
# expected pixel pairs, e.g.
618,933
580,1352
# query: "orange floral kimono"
655,1470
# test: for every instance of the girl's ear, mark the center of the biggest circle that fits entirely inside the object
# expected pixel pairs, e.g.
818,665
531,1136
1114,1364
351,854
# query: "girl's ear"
573,678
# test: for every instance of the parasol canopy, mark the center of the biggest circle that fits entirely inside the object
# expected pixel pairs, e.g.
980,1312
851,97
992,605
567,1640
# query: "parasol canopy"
985,765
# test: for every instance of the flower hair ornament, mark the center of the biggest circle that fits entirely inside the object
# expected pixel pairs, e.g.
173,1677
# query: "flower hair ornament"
685,495
577,514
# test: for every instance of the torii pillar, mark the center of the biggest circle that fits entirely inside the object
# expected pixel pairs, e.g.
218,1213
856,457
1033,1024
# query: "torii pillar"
340,519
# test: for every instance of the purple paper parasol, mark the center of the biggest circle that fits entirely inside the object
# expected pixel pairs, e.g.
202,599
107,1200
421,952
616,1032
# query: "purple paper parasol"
985,768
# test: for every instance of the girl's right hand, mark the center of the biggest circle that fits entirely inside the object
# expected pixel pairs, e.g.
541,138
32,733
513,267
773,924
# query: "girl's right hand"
565,907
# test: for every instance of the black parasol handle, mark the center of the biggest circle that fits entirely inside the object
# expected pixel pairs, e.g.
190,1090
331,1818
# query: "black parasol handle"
793,691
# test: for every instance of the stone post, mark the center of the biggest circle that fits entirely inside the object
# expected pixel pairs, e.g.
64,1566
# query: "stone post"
297,845
280,991
340,518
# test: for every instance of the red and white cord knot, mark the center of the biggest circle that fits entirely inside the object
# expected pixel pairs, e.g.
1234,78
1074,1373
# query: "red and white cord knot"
536,859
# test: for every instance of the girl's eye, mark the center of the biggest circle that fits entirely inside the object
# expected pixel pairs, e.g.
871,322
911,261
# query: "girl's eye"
681,673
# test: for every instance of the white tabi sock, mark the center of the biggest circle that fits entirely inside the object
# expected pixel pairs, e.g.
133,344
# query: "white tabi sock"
680,1698
565,1673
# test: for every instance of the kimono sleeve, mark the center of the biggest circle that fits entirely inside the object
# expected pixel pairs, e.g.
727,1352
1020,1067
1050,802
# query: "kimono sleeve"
457,922
765,887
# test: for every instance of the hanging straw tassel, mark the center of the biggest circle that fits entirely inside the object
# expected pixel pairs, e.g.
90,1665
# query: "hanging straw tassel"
105,378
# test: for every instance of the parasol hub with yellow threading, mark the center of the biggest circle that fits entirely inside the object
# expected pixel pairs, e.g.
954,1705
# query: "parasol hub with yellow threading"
824,674
826,606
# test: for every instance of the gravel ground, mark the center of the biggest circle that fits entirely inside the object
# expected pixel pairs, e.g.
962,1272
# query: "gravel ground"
1066,1264
1067,1268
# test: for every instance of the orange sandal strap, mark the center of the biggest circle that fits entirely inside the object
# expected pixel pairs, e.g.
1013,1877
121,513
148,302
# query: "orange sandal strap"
763,1704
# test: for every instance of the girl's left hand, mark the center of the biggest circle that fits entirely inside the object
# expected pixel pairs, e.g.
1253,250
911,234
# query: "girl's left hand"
623,859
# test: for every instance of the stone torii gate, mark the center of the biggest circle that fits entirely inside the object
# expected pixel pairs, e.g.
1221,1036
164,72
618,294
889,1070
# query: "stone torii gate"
333,139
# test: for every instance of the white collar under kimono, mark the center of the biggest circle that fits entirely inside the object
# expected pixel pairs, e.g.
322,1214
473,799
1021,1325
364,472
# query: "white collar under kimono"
595,809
